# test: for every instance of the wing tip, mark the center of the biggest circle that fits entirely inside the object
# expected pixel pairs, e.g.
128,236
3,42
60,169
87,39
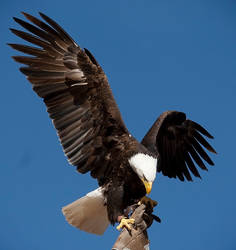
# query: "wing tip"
213,151
24,70
11,45
15,31
41,14
17,20
24,13
27,15
14,58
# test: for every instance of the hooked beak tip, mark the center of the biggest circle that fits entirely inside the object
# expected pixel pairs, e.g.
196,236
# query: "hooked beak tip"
148,186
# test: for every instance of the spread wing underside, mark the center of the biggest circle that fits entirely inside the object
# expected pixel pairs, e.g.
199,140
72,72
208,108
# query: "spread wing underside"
75,90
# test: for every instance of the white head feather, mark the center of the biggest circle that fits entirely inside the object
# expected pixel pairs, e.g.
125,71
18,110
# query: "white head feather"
145,166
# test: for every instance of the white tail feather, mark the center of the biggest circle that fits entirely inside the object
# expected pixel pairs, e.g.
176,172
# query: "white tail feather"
88,213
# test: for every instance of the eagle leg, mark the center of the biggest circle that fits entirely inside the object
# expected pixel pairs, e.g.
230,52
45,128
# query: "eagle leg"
147,201
124,222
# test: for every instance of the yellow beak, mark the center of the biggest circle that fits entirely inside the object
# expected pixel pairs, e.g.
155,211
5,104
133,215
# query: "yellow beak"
148,186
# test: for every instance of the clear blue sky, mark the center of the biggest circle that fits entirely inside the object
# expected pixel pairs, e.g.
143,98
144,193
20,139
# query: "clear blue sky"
159,55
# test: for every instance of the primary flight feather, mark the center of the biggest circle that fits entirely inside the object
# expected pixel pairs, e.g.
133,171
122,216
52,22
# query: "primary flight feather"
92,133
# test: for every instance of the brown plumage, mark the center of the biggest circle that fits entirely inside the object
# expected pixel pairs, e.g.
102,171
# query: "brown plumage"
174,139
89,124
75,91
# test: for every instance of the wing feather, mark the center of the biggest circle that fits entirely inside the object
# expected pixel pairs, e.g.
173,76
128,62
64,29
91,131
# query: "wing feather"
191,165
28,49
75,90
179,143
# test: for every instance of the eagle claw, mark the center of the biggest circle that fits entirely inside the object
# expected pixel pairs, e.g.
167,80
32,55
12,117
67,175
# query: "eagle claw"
125,223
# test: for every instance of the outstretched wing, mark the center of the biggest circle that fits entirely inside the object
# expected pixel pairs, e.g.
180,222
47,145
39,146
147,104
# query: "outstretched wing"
178,143
75,90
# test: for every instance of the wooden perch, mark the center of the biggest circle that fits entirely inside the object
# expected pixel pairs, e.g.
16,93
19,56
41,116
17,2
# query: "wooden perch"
137,239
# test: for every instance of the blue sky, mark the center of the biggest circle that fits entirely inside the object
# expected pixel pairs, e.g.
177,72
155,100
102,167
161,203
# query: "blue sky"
158,55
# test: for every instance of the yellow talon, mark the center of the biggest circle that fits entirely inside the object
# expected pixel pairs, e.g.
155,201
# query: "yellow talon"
146,200
125,223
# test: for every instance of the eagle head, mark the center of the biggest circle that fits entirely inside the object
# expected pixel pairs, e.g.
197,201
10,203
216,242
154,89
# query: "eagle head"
145,166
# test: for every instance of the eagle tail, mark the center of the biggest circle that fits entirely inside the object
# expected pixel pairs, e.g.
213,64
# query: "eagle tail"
88,213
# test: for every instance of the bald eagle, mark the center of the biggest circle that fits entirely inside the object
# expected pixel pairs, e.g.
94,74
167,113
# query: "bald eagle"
92,133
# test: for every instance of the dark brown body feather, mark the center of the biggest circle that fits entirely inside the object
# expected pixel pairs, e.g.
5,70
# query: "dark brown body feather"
88,122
